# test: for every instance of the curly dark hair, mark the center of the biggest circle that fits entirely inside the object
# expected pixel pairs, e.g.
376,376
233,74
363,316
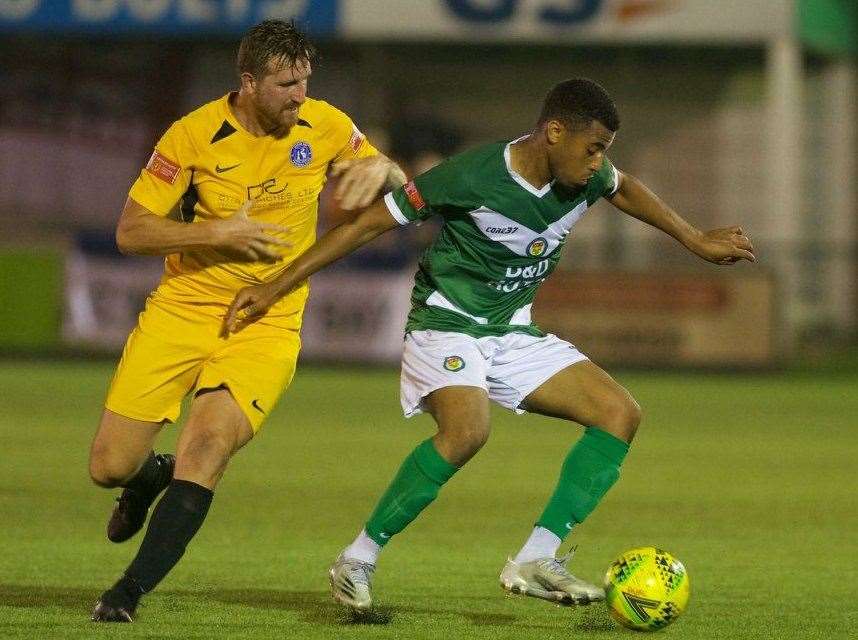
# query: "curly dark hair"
579,101
275,40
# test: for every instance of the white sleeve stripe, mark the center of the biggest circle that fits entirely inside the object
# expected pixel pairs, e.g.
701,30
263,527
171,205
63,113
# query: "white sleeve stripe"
394,209
616,180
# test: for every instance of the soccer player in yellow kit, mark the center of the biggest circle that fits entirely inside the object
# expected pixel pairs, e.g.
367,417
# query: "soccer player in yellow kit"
246,171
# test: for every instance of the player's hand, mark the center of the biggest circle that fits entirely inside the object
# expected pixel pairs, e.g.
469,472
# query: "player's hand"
241,239
725,246
249,303
361,180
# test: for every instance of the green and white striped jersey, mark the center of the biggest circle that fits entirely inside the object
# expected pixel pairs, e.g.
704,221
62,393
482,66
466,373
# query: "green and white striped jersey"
500,240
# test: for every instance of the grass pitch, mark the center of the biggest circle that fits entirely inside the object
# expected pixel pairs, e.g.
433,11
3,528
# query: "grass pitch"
749,479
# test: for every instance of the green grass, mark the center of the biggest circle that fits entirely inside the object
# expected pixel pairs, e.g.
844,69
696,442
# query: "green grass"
749,479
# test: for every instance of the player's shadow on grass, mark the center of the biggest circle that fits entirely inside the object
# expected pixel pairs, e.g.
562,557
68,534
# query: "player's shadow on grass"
314,607
36,597
318,608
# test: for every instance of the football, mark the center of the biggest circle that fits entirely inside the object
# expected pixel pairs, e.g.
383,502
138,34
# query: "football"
646,588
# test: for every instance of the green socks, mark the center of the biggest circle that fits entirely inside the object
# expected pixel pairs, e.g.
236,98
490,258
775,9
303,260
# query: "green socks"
416,485
590,469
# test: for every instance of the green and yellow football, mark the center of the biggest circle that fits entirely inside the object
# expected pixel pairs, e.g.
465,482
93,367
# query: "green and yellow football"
646,588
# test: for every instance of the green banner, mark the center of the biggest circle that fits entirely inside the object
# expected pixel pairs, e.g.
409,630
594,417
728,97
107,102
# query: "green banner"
31,288
829,26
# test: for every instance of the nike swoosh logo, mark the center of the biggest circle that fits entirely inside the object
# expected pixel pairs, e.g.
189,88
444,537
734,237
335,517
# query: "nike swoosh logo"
383,535
569,526
256,406
220,169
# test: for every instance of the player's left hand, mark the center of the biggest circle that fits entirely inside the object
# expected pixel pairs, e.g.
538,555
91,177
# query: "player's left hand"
361,180
249,304
725,246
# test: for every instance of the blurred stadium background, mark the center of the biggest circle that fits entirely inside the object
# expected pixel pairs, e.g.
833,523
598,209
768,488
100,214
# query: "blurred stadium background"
736,111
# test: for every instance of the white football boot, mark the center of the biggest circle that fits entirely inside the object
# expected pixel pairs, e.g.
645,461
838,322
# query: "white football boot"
350,582
549,579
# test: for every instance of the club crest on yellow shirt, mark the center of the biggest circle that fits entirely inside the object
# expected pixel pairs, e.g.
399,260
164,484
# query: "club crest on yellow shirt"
301,154
454,363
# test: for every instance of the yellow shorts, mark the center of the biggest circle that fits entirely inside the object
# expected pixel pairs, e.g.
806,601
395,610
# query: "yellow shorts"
176,349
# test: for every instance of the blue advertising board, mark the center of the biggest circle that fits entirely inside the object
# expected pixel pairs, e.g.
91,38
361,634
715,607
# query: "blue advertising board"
162,17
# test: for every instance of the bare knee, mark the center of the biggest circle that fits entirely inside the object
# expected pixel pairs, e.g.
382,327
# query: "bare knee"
622,418
110,471
104,476
460,445
120,447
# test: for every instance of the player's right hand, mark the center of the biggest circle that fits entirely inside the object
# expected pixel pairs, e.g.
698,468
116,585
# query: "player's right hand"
241,239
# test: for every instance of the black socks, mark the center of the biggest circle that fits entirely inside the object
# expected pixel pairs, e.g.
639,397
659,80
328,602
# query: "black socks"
176,519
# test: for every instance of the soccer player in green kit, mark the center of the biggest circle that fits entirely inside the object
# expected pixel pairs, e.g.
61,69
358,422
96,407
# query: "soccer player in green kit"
507,209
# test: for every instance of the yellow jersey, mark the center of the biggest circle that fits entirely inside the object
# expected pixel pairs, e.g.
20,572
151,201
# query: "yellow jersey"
210,163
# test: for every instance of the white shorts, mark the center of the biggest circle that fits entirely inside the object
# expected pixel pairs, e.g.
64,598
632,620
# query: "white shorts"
508,367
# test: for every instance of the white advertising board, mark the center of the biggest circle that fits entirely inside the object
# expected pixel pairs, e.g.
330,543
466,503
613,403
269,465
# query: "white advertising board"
569,21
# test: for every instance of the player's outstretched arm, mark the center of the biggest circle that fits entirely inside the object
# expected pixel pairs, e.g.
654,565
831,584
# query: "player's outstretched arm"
720,246
340,241
142,232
